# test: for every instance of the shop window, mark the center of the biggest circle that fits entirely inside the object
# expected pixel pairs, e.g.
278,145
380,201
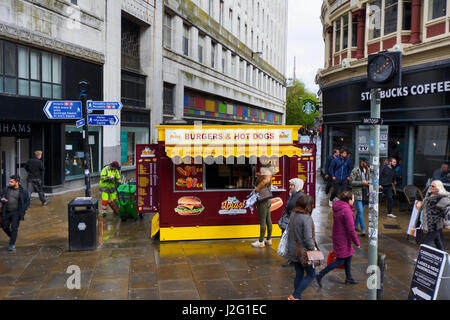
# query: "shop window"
437,9
374,22
407,14
230,176
74,153
133,91
129,138
167,30
390,16
341,138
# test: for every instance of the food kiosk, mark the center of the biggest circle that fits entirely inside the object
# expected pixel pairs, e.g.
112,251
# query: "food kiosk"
197,178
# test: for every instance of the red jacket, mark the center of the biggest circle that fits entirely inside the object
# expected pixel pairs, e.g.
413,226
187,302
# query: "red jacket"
343,230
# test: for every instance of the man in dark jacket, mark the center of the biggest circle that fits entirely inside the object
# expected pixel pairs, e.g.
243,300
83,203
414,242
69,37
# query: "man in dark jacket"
442,174
35,169
15,201
340,170
330,159
387,179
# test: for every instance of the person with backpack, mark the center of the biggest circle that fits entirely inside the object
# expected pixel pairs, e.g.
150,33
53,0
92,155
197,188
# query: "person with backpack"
340,170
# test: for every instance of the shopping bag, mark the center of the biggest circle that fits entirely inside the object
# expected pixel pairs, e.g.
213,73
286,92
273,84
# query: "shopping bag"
283,246
331,258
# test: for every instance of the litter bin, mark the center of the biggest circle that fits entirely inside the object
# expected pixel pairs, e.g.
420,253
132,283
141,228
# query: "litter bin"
83,224
126,201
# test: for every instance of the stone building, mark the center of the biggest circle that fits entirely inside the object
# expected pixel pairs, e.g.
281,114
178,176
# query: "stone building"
417,114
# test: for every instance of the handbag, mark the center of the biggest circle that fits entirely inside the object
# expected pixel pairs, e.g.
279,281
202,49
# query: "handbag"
310,257
283,245
332,258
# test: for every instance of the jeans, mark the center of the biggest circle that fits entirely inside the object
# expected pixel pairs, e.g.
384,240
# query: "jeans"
301,283
263,208
359,219
435,236
11,223
387,190
35,185
338,187
336,263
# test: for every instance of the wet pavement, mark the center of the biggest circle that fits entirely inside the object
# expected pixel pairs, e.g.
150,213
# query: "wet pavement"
131,266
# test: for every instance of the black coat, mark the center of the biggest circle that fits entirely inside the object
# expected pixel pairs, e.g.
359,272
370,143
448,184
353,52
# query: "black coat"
387,176
24,201
35,168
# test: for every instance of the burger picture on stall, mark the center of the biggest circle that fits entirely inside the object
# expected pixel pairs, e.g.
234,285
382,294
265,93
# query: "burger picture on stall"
189,206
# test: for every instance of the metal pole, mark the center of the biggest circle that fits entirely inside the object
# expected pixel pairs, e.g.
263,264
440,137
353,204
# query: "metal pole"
84,86
375,112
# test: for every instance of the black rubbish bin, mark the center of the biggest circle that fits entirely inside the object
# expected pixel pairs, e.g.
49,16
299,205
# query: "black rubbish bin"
83,224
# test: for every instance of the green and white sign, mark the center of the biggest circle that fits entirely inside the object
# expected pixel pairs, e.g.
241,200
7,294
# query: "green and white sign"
309,107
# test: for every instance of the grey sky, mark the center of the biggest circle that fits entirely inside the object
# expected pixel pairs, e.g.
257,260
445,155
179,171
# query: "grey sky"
305,41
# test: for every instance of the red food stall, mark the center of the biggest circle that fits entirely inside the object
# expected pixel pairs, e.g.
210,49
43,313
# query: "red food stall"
198,178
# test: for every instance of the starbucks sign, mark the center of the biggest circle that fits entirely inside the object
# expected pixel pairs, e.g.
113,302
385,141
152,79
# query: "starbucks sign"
309,107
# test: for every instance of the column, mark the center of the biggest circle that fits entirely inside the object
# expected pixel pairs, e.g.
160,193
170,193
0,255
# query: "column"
207,53
177,39
360,17
219,57
415,22
193,50
330,34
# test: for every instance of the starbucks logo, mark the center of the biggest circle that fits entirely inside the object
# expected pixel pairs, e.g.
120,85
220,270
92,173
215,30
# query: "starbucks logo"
309,107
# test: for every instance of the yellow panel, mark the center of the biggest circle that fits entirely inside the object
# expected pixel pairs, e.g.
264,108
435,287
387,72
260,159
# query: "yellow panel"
210,105
214,232
155,225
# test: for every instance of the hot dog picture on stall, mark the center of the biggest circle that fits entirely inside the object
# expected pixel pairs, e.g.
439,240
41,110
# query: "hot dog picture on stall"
205,176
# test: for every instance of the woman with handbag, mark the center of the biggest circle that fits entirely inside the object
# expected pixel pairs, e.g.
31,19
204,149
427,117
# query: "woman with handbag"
343,235
295,191
300,240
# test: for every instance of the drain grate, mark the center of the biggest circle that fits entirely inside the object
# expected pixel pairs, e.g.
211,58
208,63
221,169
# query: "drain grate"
392,226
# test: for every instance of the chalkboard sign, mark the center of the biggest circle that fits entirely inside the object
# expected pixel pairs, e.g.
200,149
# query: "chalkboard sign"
429,280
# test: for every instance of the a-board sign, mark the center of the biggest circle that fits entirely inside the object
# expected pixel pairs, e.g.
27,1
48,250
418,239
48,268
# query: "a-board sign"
412,230
430,279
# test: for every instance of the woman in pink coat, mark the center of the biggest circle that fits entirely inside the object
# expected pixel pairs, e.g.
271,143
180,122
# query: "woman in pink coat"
343,235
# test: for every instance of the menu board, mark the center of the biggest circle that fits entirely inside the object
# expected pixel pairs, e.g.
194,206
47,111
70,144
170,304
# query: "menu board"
189,177
307,168
146,179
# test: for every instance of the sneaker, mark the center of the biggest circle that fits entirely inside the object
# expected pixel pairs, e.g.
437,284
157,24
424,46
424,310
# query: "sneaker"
258,244
392,216
11,248
268,242
351,281
46,202
291,297
363,233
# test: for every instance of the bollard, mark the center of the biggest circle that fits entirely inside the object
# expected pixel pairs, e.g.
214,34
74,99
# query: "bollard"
382,267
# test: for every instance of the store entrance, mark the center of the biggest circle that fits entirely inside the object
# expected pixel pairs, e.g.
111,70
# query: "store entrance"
14,154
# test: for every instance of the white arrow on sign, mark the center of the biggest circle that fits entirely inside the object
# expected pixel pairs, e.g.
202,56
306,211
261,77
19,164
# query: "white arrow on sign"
420,293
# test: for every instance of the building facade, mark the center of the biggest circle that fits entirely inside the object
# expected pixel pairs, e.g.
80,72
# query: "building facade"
417,114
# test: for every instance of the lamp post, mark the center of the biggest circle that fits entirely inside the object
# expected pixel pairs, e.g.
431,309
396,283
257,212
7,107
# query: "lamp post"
84,88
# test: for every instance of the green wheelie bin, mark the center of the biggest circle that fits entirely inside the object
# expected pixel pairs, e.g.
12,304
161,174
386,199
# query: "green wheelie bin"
126,201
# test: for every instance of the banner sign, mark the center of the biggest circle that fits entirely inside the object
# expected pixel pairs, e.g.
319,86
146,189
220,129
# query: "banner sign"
146,179
228,136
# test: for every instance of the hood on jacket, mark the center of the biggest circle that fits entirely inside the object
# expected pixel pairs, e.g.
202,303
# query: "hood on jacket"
340,206
298,184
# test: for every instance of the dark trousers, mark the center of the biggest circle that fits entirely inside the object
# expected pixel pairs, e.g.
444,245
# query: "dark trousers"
336,263
300,282
434,236
11,223
265,221
329,185
35,185
387,190
338,187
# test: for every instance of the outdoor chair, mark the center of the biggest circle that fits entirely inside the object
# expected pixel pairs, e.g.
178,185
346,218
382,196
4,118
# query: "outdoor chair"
412,193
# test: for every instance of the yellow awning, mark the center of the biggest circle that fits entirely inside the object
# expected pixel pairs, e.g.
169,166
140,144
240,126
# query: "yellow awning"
236,151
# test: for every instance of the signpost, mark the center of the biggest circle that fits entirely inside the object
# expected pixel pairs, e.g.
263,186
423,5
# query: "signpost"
103,120
104,105
63,109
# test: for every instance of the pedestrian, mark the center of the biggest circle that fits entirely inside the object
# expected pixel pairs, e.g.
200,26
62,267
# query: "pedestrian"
263,187
387,182
343,235
340,170
35,169
301,239
295,191
435,207
109,180
442,174
330,159
14,203
359,180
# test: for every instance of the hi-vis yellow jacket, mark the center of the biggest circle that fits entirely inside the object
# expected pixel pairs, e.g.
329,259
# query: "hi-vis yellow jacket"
108,179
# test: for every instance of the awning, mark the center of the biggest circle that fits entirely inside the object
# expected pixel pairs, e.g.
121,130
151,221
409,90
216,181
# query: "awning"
232,151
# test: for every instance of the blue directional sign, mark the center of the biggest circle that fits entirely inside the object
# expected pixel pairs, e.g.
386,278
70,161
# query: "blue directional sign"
104,105
102,120
63,109
80,123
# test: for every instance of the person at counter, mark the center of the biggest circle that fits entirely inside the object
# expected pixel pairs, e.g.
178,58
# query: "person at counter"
263,187
442,174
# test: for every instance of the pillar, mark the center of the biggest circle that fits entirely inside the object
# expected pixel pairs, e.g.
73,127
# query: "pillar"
360,17
330,34
415,22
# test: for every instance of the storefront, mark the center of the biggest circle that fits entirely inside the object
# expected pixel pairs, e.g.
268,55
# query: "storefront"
416,116
198,178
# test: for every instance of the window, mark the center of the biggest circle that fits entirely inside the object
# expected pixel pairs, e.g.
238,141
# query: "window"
233,65
354,33
407,12
201,46
28,72
130,43
186,40
221,13
129,138
239,28
224,60
73,1
337,37
213,55
241,70
230,176
390,16
167,30
133,89
437,9
210,7
374,19
345,33
168,97
230,18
